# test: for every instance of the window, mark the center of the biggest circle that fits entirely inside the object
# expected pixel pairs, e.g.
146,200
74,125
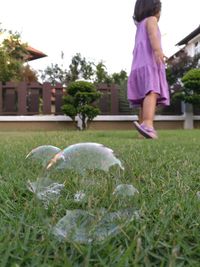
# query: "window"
197,48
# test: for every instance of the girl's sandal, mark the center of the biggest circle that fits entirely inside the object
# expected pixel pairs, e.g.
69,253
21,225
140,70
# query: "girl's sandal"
147,132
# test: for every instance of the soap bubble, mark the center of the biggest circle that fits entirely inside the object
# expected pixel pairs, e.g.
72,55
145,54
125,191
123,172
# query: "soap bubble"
46,190
125,190
92,226
84,156
88,167
198,195
43,154
79,196
92,176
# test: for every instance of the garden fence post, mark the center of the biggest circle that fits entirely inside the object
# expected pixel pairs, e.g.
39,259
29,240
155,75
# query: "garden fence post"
46,96
189,116
58,98
22,96
1,98
114,100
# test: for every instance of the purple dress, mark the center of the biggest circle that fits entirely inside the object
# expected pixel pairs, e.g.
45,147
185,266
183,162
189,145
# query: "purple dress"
146,75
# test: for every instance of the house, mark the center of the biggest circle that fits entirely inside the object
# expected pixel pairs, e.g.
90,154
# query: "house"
34,53
191,42
190,45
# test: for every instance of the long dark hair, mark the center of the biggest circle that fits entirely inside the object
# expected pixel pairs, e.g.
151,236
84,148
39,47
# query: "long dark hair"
146,8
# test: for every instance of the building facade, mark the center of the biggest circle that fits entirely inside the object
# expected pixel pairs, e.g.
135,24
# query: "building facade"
190,44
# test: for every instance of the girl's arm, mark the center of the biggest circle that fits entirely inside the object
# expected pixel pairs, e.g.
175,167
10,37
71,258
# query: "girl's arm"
152,29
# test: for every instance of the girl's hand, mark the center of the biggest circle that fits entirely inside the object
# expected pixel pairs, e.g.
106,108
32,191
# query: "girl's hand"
165,59
160,57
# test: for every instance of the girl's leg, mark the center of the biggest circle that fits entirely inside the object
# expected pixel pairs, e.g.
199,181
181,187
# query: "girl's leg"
140,118
149,108
140,115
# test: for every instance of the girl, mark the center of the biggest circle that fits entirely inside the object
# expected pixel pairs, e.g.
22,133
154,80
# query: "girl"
147,85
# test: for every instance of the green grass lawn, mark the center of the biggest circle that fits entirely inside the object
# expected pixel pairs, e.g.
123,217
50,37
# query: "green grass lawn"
166,172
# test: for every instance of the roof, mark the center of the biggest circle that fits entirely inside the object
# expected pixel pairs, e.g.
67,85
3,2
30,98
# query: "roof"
177,54
190,36
34,53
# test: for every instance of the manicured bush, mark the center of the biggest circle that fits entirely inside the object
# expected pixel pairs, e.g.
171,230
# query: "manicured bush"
191,87
79,101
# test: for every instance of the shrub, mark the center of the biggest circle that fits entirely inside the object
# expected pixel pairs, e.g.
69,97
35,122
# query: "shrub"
79,101
191,87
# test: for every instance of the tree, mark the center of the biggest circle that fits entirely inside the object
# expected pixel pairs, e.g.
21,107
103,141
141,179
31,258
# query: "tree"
179,66
191,87
54,74
13,54
80,68
176,69
119,78
28,74
79,101
101,75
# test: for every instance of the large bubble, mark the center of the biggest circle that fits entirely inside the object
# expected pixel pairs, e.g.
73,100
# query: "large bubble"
90,178
84,156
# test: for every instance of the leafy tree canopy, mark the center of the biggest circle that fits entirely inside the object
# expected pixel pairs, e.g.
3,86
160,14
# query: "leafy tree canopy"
13,55
81,69
179,66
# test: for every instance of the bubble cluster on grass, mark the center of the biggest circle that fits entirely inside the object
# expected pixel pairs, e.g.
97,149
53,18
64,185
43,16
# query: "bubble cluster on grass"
87,179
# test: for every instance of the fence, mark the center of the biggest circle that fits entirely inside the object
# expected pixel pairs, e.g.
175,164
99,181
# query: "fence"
45,99
30,99
35,98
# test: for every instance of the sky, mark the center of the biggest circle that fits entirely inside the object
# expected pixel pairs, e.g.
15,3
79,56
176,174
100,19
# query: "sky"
101,30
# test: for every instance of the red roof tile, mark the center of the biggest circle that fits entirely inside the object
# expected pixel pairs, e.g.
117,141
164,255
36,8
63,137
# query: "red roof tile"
34,53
